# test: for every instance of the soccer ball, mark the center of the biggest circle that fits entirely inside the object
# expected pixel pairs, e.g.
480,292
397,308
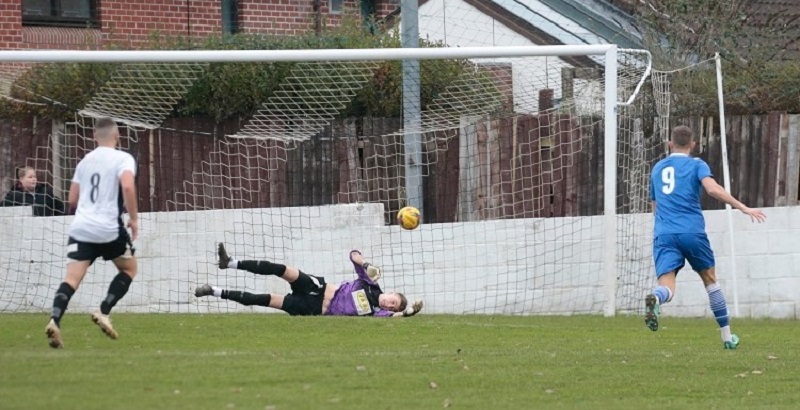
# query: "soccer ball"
409,218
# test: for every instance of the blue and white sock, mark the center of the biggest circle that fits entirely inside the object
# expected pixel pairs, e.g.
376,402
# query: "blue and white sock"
663,294
720,309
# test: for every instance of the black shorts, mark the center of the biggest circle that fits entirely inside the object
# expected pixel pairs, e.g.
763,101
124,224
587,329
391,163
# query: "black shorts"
85,251
305,302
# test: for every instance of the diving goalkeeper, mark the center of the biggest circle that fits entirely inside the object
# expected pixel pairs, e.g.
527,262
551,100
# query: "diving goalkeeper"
311,296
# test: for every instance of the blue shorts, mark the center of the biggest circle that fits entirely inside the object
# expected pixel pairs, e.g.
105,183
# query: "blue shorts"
671,251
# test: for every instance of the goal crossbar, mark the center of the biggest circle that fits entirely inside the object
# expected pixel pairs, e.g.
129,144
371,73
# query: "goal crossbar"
239,56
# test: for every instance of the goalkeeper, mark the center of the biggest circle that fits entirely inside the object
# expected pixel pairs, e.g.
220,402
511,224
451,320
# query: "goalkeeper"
311,296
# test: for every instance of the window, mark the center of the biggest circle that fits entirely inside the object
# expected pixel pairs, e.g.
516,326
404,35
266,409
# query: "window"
230,17
65,13
335,6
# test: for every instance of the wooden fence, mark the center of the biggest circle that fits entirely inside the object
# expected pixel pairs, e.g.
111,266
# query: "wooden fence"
764,157
524,166
529,166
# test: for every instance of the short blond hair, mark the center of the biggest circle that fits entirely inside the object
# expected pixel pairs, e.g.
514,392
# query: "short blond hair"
22,171
104,127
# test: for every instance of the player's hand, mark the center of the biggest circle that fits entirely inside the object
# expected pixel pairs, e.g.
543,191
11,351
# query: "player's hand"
756,215
413,309
133,225
373,271
357,258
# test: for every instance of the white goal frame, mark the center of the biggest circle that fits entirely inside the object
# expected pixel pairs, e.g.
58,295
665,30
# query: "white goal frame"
608,51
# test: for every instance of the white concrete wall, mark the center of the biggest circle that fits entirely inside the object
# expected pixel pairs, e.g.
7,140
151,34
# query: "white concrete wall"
767,266
542,266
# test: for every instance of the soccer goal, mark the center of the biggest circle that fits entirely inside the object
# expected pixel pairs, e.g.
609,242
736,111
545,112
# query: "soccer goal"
529,164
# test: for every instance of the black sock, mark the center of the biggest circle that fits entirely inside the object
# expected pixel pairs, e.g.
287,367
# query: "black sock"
118,288
263,267
246,298
60,302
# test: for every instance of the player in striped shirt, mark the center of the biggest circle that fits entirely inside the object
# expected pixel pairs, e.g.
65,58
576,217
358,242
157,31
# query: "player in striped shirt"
312,296
680,229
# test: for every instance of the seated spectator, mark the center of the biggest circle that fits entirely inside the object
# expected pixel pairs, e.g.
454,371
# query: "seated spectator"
27,191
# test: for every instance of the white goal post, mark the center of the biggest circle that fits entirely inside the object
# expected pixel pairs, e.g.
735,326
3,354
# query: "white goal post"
548,254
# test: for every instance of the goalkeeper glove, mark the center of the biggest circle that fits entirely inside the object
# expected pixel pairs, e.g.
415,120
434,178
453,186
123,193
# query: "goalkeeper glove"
373,272
413,309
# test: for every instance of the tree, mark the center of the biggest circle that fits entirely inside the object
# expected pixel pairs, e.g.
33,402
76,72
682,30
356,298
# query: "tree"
757,39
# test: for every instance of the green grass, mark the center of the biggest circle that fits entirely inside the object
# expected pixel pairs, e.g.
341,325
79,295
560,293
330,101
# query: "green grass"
258,361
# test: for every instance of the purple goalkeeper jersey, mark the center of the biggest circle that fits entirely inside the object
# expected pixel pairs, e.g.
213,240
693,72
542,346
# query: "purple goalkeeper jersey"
358,297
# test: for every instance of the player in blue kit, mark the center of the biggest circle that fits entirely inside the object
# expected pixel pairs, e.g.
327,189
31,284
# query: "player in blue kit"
680,229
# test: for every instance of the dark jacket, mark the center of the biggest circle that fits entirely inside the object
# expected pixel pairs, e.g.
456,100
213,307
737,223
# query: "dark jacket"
44,202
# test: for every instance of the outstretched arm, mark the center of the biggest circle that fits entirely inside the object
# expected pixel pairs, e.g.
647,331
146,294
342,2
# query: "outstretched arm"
363,269
718,192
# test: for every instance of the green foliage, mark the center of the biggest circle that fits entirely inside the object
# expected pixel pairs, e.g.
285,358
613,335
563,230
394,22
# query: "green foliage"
257,361
760,73
230,90
383,96
775,87
57,90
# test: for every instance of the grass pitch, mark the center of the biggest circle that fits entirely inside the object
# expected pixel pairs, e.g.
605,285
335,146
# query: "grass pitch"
272,361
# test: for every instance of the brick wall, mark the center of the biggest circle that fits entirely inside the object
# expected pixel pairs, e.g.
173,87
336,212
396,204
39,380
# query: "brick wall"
10,24
385,7
276,17
131,23
287,17
61,38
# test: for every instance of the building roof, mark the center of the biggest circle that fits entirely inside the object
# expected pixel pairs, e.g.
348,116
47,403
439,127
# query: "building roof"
586,21
583,22
557,22
597,20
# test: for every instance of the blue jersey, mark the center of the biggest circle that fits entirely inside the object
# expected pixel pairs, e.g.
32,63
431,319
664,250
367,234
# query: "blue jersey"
675,185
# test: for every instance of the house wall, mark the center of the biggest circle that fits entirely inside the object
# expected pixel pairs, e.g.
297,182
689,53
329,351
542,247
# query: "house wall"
459,24
131,23
520,266
10,24
287,17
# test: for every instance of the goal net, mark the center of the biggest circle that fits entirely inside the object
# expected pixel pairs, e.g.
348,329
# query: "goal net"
519,216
